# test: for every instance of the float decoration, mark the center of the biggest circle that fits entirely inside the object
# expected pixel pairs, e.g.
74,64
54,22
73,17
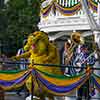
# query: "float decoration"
50,78
67,11
56,84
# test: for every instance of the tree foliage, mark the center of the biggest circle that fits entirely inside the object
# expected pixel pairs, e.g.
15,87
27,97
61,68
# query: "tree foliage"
18,19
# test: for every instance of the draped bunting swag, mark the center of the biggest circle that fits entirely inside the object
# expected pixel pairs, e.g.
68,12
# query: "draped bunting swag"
67,11
56,84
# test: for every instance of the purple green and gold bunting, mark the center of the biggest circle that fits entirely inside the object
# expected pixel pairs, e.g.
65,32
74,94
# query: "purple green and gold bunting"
93,5
60,84
13,79
56,84
96,80
66,11
60,79
46,11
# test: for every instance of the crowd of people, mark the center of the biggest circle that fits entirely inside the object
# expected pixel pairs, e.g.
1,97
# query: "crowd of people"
4,63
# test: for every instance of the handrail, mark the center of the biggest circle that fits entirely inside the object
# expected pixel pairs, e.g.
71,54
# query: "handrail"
48,65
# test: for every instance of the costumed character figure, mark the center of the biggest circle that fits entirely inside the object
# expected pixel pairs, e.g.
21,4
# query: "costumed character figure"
39,50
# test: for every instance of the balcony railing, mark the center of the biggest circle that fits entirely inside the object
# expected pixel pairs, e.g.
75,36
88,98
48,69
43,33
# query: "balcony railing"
56,17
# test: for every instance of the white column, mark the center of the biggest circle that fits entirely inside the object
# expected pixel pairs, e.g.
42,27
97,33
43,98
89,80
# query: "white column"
63,2
69,4
97,37
60,2
66,4
89,16
97,72
98,14
73,2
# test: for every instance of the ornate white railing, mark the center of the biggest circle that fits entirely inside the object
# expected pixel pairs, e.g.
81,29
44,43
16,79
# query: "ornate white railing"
58,21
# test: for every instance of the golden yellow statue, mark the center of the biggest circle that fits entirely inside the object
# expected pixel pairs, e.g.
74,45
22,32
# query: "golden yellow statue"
39,50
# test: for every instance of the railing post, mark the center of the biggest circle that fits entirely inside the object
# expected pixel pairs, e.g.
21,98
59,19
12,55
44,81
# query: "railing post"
1,94
32,88
32,83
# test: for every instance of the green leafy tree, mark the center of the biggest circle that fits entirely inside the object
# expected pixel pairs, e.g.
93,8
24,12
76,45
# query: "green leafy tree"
21,18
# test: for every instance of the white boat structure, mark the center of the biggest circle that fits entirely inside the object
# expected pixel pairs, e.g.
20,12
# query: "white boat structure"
65,16
62,17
